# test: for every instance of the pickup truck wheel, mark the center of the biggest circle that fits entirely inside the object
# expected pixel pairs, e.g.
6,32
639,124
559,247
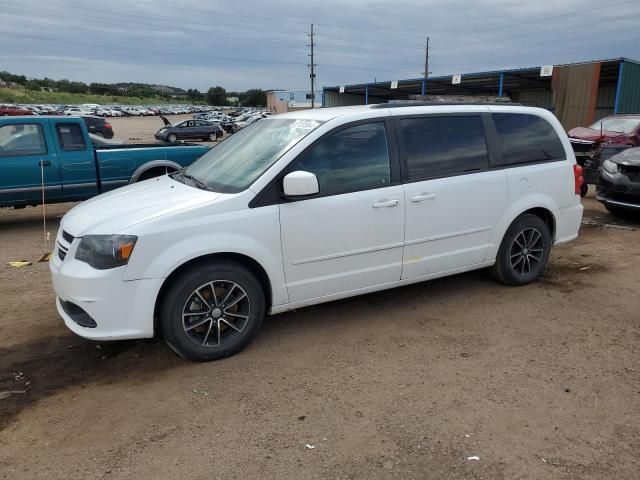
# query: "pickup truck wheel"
172,138
524,251
212,311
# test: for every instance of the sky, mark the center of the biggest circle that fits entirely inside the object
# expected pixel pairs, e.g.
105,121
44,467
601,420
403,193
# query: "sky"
242,44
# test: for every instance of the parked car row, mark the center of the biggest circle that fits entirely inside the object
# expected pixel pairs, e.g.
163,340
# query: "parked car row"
102,110
244,120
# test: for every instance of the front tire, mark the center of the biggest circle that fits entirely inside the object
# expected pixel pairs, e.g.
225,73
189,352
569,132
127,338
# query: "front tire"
213,137
524,251
172,138
212,311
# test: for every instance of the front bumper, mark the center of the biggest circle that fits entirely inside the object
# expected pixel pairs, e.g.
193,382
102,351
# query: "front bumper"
619,191
160,136
120,309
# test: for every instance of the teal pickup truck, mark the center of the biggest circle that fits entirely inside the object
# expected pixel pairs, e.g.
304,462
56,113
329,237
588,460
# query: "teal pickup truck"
56,157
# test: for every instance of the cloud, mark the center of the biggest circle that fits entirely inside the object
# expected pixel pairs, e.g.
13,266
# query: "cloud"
245,44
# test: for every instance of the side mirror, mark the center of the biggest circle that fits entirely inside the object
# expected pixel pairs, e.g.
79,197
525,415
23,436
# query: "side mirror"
300,184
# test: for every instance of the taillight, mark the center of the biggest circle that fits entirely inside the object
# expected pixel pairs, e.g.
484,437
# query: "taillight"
107,125
579,179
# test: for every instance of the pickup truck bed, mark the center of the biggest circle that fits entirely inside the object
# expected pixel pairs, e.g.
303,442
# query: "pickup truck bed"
54,157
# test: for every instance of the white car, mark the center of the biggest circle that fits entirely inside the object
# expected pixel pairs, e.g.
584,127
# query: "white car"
313,206
75,111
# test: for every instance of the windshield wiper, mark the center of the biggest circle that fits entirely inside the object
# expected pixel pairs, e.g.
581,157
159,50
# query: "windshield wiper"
194,181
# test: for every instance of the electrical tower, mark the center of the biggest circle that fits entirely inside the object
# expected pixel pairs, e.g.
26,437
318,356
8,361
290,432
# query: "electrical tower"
312,65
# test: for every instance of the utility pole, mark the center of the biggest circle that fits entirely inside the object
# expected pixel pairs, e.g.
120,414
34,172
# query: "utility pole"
312,65
426,60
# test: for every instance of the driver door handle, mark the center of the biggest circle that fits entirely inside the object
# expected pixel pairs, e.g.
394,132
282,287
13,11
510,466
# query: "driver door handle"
422,197
386,203
44,163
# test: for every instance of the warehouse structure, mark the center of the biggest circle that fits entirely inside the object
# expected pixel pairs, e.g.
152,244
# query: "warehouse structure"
577,93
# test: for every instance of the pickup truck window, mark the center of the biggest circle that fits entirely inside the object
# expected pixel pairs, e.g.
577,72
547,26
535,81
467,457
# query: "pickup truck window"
71,137
21,140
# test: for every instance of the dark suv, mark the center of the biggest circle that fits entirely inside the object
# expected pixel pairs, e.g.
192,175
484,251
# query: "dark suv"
98,126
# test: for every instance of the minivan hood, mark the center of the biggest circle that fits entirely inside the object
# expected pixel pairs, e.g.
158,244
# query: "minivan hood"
118,211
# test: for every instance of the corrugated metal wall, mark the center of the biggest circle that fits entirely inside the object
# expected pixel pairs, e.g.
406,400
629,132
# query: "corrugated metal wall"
337,99
542,98
629,101
575,89
605,101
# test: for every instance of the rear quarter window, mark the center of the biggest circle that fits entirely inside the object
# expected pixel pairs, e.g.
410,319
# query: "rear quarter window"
525,138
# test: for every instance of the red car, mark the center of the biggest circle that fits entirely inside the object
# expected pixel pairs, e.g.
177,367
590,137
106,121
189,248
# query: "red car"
616,129
12,110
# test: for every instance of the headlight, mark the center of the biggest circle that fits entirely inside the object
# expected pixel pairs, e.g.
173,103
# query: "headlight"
610,166
106,251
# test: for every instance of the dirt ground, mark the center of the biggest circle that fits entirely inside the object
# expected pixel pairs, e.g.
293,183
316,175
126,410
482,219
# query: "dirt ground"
538,382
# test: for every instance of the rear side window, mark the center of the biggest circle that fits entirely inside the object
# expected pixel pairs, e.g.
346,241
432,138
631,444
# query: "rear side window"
71,137
527,139
350,160
443,146
22,140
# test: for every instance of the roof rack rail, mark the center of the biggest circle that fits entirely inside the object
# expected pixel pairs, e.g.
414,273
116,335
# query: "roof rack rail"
434,103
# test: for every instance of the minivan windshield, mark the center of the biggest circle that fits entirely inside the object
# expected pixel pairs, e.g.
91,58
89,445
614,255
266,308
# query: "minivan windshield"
618,125
233,165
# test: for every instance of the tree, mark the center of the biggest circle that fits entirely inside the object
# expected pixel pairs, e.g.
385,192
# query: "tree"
217,96
194,94
254,98
32,85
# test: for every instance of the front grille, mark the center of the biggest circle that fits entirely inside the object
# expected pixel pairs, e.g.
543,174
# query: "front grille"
630,171
67,237
62,251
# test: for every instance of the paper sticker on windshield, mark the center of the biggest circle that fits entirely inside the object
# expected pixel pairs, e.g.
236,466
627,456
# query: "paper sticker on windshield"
305,124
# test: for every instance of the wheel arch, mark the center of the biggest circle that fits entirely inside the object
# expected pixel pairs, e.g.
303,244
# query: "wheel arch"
251,264
154,164
547,216
541,206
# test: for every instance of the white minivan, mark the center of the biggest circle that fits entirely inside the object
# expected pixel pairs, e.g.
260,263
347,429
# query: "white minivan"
313,206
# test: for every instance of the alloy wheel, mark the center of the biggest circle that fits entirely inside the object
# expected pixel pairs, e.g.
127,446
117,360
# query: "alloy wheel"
216,313
526,251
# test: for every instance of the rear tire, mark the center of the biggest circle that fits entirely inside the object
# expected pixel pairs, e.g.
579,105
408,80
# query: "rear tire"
212,311
524,251
213,137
